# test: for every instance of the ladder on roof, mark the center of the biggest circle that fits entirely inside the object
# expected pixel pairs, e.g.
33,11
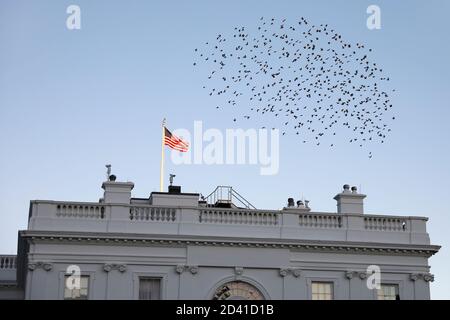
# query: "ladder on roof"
226,195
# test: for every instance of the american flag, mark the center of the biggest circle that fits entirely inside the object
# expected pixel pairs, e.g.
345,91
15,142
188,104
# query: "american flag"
175,142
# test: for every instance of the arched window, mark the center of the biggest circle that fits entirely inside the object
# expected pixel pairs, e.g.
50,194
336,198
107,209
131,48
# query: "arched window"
237,290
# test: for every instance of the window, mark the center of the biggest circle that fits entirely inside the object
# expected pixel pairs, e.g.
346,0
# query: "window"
388,292
149,288
322,290
237,290
72,292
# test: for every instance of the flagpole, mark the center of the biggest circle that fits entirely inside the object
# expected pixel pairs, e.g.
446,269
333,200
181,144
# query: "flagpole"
161,177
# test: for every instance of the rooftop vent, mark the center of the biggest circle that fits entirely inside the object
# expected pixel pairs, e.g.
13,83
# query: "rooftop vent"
303,205
174,189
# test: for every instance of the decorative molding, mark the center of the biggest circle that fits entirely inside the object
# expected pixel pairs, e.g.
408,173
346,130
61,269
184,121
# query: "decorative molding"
107,267
284,272
47,266
180,268
414,276
290,271
238,271
350,274
427,277
308,246
193,269
296,272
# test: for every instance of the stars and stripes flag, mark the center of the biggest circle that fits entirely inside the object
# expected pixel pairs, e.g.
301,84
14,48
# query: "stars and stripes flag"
174,142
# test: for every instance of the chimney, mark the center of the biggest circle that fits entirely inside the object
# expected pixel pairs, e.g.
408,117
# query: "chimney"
291,203
300,207
350,201
117,192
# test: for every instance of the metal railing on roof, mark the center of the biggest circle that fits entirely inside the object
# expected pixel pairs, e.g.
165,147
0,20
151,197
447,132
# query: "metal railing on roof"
227,195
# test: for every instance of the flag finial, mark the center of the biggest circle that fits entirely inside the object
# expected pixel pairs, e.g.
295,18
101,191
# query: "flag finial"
164,122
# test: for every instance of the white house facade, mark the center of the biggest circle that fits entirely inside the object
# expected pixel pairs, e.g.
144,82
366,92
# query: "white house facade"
176,245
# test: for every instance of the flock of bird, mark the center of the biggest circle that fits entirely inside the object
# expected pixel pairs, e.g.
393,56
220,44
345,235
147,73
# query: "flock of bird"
303,78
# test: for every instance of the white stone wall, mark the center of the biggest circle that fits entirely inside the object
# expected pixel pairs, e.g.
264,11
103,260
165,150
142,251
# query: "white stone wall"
277,273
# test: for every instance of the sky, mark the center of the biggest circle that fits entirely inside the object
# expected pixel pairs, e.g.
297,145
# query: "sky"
72,101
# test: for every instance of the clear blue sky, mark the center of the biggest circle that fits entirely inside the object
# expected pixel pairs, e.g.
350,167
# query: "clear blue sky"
72,101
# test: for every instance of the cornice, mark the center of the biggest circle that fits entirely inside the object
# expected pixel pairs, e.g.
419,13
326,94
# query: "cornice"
178,240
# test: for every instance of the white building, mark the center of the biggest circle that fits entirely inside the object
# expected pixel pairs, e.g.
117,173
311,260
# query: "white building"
178,246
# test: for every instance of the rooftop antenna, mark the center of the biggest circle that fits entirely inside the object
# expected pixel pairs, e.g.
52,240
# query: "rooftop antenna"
171,176
108,171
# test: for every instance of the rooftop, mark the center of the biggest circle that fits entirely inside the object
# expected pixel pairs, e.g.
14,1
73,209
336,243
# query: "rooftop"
225,215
